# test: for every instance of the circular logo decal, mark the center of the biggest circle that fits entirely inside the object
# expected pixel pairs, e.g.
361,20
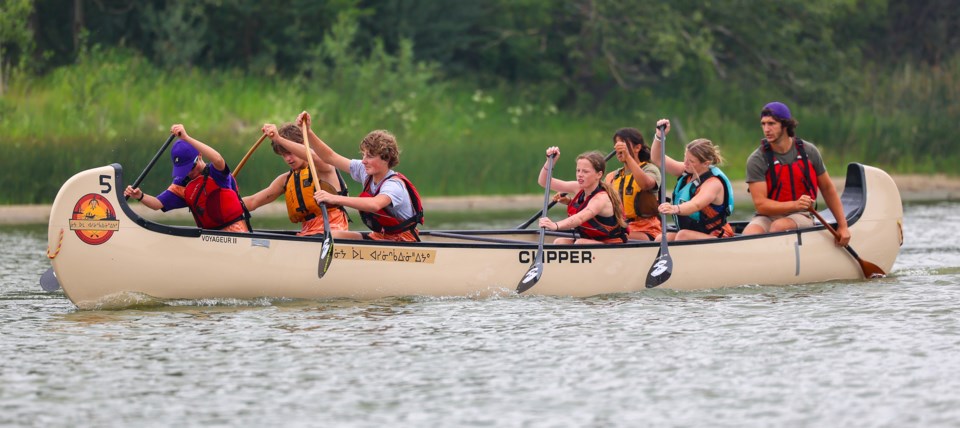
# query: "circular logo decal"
94,219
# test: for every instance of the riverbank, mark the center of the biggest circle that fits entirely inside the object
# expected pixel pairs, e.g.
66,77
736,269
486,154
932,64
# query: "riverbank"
913,188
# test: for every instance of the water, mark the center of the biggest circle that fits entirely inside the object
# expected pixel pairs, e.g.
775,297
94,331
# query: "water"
881,353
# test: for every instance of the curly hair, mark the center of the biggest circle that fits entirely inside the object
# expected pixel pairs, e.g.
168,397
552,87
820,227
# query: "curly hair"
383,144
790,125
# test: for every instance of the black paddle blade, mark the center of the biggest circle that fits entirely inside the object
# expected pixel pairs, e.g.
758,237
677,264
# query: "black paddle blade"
326,249
48,281
660,271
326,255
531,277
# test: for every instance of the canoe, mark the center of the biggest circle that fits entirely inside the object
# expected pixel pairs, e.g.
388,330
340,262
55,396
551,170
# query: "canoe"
102,251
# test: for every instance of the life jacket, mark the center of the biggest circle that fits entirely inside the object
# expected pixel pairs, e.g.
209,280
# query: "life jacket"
637,203
598,228
384,222
212,206
712,217
298,193
789,182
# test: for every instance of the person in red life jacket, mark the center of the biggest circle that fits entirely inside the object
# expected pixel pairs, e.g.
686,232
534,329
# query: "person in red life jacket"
784,175
296,185
595,212
703,197
389,204
637,183
209,190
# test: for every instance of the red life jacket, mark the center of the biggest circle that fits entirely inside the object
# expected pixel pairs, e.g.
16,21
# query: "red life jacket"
212,206
598,228
789,182
384,222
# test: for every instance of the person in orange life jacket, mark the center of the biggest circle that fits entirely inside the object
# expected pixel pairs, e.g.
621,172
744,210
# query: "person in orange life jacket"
209,190
702,197
389,203
595,211
783,176
297,185
637,184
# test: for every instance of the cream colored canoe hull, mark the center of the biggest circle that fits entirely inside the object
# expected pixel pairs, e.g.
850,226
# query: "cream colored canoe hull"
102,250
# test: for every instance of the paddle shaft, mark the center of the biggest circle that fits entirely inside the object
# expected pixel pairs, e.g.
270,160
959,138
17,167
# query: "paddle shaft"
326,250
536,268
662,267
547,207
870,270
136,183
236,171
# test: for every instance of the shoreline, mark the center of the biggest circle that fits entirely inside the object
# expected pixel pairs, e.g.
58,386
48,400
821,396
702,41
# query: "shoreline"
913,188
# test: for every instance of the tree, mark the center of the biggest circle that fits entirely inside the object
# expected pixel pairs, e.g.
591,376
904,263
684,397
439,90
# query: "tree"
15,35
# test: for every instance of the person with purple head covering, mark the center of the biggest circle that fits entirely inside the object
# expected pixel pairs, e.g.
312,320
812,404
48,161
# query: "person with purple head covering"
784,176
209,190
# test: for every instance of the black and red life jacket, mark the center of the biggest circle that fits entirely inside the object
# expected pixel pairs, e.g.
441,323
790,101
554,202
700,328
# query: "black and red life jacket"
598,228
789,182
212,206
384,222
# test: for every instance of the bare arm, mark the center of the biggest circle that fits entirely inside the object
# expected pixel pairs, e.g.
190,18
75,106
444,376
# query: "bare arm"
209,153
673,167
145,199
373,204
326,153
555,184
770,207
267,195
711,192
832,198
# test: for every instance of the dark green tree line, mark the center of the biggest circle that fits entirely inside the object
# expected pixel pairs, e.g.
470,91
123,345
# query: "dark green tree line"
579,51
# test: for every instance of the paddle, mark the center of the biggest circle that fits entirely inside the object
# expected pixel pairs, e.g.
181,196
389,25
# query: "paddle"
530,220
48,280
243,161
662,266
326,250
136,183
870,270
536,267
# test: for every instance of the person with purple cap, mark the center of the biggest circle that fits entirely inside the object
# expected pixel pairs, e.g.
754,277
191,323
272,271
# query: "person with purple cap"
209,190
784,175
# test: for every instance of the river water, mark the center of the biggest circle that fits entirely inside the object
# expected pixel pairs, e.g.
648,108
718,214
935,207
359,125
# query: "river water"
882,353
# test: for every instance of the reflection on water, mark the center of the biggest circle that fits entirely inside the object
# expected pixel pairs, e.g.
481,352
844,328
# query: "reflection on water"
861,353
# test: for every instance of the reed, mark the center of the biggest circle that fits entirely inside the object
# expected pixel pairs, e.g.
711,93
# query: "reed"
113,106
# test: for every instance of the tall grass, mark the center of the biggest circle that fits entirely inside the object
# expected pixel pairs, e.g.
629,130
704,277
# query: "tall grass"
455,138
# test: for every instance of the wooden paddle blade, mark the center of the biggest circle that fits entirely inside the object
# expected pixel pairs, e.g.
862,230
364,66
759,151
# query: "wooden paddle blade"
870,270
531,277
660,271
48,281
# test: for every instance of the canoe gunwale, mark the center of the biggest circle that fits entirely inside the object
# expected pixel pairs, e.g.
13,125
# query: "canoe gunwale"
854,200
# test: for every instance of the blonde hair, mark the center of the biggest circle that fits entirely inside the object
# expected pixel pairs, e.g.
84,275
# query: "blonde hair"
383,144
704,150
600,164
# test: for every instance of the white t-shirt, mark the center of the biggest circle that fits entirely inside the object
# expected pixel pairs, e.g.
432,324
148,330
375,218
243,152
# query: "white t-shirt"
401,207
